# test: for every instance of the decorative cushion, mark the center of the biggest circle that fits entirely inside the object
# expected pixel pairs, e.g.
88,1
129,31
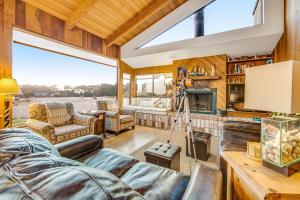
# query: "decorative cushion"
126,119
15,142
69,129
112,105
57,113
37,111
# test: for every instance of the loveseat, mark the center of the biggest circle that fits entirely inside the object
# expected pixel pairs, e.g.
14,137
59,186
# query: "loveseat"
151,105
32,168
65,126
153,112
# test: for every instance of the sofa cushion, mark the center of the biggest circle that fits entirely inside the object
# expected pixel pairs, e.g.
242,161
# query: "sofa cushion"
155,182
124,119
110,160
46,176
67,132
152,110
147,104
72,128
15,142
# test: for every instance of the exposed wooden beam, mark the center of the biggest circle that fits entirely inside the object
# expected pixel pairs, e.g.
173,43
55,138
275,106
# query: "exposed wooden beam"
44,7
136,20
81,10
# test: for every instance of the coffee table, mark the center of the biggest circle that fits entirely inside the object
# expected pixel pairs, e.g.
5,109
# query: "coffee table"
99,127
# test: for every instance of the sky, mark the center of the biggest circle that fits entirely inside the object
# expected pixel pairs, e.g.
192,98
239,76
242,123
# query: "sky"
38,67
219,16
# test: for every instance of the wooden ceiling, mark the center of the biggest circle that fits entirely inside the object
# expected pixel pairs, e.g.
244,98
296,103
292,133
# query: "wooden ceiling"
117,21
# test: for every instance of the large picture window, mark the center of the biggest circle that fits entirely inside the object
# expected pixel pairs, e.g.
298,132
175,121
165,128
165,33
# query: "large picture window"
45,76
153,85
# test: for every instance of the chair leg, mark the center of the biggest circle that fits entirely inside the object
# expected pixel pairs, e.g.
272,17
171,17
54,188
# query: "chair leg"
133,126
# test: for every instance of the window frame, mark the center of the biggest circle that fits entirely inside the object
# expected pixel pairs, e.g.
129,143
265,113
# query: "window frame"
167,75
128,79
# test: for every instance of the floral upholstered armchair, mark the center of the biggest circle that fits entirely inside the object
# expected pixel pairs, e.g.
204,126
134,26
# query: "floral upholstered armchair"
117,119
57,122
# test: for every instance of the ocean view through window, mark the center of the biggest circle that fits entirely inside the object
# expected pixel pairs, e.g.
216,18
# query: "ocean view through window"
46,76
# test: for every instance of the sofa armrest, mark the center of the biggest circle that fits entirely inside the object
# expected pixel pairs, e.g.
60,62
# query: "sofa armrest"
127,111
84,120
45,129
205,183
79,147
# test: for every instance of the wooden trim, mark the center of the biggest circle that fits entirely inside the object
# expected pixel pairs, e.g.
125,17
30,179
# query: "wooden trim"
132,23
81,10
63,43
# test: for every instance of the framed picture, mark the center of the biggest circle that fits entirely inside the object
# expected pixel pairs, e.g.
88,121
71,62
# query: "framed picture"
181,72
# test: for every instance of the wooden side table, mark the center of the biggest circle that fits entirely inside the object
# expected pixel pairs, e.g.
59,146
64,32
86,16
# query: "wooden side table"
99,127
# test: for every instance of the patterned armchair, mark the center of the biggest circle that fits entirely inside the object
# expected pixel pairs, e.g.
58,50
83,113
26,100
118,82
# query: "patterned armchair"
117,119
63,129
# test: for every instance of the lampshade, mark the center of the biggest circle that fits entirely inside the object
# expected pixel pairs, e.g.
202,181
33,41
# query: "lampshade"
9,86
274,87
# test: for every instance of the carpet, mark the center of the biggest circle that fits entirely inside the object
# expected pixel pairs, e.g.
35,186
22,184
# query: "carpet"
186,163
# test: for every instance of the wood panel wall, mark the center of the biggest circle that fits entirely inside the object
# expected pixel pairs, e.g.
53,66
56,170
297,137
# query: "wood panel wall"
38,21
7,18
288,47
6,24
206,62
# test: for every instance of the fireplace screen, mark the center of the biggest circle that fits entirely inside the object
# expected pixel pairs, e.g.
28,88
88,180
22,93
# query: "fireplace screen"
202,100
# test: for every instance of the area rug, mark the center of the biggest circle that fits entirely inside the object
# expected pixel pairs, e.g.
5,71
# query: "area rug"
186,163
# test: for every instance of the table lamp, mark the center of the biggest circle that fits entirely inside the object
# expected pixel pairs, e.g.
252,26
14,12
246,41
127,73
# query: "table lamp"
276,88
8,87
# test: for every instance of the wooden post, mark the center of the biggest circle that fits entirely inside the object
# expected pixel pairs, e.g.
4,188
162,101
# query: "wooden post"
7,19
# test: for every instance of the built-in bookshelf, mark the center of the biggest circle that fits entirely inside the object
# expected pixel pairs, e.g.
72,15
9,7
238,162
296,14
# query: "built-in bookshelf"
235,78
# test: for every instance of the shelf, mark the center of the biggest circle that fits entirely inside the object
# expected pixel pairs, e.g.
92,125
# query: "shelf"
249,60
235,83
235,74
201,78
247,114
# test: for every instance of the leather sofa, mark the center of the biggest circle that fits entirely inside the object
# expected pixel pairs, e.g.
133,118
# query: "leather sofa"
33,168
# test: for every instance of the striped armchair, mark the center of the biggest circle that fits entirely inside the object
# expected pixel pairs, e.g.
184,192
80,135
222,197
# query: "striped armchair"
117,119
60,131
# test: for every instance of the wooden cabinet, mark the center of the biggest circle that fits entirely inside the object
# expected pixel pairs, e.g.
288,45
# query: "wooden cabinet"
248,179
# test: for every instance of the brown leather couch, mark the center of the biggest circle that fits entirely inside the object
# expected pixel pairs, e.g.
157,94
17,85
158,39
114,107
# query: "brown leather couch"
32,168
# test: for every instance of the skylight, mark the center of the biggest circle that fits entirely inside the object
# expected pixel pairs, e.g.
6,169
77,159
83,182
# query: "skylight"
219,16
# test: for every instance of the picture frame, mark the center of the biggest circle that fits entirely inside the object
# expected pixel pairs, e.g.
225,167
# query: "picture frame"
181,72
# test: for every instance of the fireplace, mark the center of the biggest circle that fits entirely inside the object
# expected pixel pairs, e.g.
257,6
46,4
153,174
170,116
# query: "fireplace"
203,100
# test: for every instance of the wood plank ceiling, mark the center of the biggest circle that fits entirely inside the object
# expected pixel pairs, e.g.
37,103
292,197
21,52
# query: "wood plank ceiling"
117,21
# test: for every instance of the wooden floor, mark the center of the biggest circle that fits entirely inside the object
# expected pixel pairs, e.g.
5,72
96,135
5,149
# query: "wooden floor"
132,140
135,142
